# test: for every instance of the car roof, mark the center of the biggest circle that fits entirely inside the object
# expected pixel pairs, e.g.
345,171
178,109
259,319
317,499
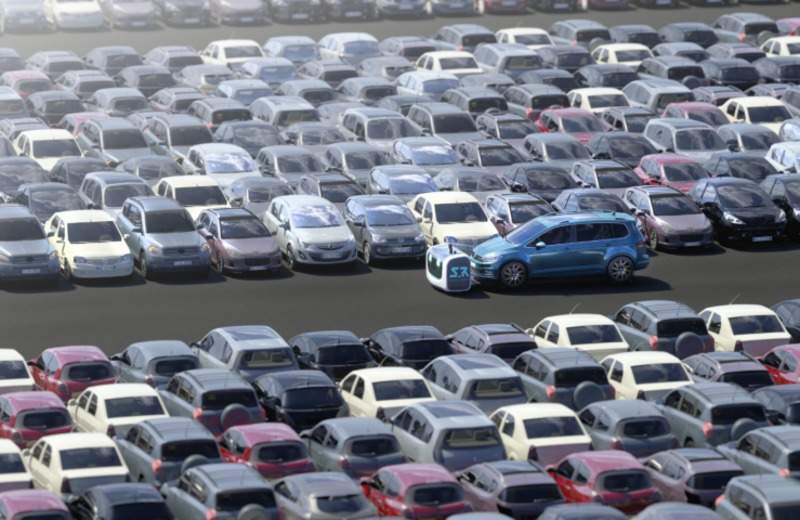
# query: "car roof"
478,366
84,215
607,460
259,433
77,353
187,181
126,493
20,401
563,357
13,211
413,474
25,500
622,409
323,483
579,319
637,358
720,393
293,379
538,410
170,429
115,177
70,440
773,488
378,374
740,309
356,426
453,414
123,390
227,476
248,337
216,379
153,203
302,201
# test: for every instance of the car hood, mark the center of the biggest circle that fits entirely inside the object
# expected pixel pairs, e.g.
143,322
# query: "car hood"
25,247
748,213
182,239
685,223
134,8
109,249
323,235
496,245
78,8
460,136
410,230
264,246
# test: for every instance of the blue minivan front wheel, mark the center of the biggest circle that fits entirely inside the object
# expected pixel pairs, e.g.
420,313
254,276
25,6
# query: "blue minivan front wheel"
620,269
513,275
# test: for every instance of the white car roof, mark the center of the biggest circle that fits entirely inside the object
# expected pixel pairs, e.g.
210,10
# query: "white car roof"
448,54
188,181
66,441
300,201
580,319
345,37
739,309
448,197
514,31
643,358
8,446
624,47
597,91
84,215
537,410
47,134
235,43
374,375
784,39
10,354
123,390
757,101
219,148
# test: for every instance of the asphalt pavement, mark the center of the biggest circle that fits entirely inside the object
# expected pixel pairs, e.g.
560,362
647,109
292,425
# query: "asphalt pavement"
363,299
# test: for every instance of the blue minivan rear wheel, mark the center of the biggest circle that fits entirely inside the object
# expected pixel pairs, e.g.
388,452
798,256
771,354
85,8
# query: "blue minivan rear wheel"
513,275
620,269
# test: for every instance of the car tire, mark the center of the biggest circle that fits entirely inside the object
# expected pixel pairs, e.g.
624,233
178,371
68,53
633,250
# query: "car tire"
366,253
290,260
688,443
653,242
620,269
513,275
218,264
67,271
143,270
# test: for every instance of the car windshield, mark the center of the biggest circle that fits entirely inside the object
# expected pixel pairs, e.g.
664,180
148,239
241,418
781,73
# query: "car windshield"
299,163
411,184
267,358
438,86
637,123
92,232
342,504
343,355
566,150
436,495
617,178
389,215
580,123
480,105
499,155
748,379
684,172
13,230
623,481
391,128
236,500
311,398
219,399
276,74
170,367
228,163
179,450
338,192
133,406
244,51
758,324
128,105
548,427
300,53
156,81
86,372
362,48
200,196
515,129
601,202
190,135
710,117
644,428
659,373
400,389
318,136
433,155
316,217
672,205
533,39
366,160
242,227
630,148
676,97
425,349
571,377
716,481
290,117
44,419
542,102
588,334
698,139
739,196
11,463
281,452
374,446
608,100
13,370
753,168
522,212
55,148
769,114
460,62
573,60
730,413
459,212
170,221
116,194
86,458
496,388
466,438
256,136
758,140
453,124
138,510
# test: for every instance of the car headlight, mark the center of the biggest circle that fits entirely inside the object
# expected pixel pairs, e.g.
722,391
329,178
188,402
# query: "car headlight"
204,248
732,219
80,260
781,218
153,250
52,255
378,239
488,257
419,238
796,213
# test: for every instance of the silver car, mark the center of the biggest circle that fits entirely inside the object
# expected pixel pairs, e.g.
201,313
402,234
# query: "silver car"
668,218
25,252
326,495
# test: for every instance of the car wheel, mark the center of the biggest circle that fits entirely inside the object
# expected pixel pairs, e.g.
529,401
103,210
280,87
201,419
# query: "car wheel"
688,443
290,261
367,254
653,240
620,269
513,275
480,7
67,271
218,264
143,270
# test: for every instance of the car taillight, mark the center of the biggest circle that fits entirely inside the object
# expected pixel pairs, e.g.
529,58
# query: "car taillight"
616,444
551,391
150,381
65,487
156,465
742,36
719,500
532,455
197,413
707,429
784,472
110,430
344,463
653,342
211,514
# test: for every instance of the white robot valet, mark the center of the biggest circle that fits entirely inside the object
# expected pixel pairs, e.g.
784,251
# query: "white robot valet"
448,268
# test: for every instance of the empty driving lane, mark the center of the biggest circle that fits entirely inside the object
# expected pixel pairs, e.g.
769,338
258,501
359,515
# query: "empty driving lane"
364,300
81,42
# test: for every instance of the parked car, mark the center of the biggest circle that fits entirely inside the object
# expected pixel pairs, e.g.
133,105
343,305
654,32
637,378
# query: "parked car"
273,449
31,416
753,329
69,370
412,346
113,409
729,367
634,426
645,375
153,362
320,495
692,475
383,391
775,495
594,334
664,325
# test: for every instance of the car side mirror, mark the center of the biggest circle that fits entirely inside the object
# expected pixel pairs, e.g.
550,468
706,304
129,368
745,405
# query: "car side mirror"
71,402
115,357
540,245
236,202
51,234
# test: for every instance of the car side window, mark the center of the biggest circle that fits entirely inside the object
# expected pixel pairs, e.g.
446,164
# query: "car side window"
587,417
319,433
37,450
616,372
359,388
553,334
673,400
47,456
715,323
565,469
92,408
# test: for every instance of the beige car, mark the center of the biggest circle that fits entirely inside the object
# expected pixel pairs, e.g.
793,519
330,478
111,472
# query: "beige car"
594,334
645,375
383,391
113,409
451,215
13,473
754,329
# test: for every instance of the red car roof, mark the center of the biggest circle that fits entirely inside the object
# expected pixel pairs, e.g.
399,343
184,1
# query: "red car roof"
23,401
266,432
792,348
569,111
26,74
412,474
78,353
30,500
669,158
607,460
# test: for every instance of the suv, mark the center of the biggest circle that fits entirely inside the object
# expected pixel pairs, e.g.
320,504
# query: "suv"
113,140
655,94
174,134
663,325
464,36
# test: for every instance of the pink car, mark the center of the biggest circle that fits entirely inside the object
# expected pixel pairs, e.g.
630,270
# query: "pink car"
273,449
669,169
29,416
68,371
789,26
26,82
33,503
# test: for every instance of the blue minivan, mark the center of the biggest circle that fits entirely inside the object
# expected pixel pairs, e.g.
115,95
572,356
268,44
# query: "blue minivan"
557,246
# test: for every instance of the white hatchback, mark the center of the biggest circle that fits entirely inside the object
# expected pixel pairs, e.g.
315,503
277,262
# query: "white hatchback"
754,329
645,375
113,409
383,391
594,334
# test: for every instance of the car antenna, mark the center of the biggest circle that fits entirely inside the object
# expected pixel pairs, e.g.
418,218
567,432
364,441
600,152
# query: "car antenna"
734,299
574,307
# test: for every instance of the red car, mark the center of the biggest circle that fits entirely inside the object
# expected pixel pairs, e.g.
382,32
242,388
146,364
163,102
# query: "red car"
25,417
670,169
696,111
415,491
789,26
68,371
580,124
783,364
26,82
33,503
611,477
273,449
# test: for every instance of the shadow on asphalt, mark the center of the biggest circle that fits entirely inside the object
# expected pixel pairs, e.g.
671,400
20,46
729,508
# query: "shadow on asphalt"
580,286
36,287
357,268
699,251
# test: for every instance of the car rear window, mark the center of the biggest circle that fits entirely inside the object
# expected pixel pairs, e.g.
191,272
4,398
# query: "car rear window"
716,480
341,504
528,494
170,367
405,389
435,495
623,481
552,427
268,358
343,355
180,450
219,399
644,428
496,388
133,406
138,510
86,458
593,334
220,116
84,372
236,500
373,447
280,452
730,413
311,398
44,420
511,350
13,370
472,40
426,349
766,323
674,328
570,377
471,438
748,379
11,463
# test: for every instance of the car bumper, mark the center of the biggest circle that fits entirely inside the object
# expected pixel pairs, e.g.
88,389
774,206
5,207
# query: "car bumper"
754,234
352,11
506,6
608,4
387,251
483,272
317,257
402,9
25,22
199,263
186,17
34,271
556,5
244,18
117,270
453,8
299,12
252,265
687,240
135,23
91,21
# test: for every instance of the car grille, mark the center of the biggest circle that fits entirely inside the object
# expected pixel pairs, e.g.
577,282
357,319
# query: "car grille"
691,238
330,246
759,221
318,257
256,262
102,261
32,259
181,251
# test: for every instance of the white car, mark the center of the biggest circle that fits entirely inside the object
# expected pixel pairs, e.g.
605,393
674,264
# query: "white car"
754,329
544,432
782,46
595,334
630,54
194,192
425,83
47,146
113,409
645,375
453,215
531,37
13,473
785,156
597,99
89,244
16,376
310,230
71,463
383,391
74,14
231,53
222,162
760,110
350,47
457,63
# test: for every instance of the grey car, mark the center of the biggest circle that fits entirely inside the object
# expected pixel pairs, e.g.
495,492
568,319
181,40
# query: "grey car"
402,180
151,168
113,501
710,414
289,163
774,450
174,134
155,450
760,496
384,228
153,362
357,446
334,352
255,193
484,380
455,434
748,137
582,512
117,101
635,426
355,160
248,350
108,190
413,346
782,403
610,176
672,511
684,136
665,325
544,179
214,397
507,211
113,140
580,200
228,490
324,495
738,368
130,14
162,237
445,121
493,155
334,187
283,111
25,252
504,340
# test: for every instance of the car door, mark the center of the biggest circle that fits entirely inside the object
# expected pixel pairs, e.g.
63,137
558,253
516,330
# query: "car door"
32,458
550,252
320,454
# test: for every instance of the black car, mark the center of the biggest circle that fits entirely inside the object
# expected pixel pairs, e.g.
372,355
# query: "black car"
52,105
112,59
694,32
334,352
119,502
148,79
739,210
412,346
740,164
556,77
16,171
567,57
299,398
541,179
781,402
504,340
46,198
636,33
605,75
779,69
251,135
623,147
716,94
784,191
735,72
735,50
72,170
